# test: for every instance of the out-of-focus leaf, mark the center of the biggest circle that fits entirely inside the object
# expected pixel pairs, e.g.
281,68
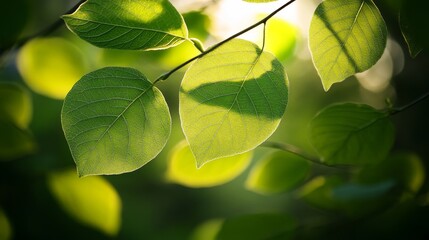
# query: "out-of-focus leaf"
133,24
281,38
182,168
207,230
353,191
5,227
352,134
114,121
318,192
50,66
15,104
277,173
232,100
91,201
15,142
257,227
405,169
346,37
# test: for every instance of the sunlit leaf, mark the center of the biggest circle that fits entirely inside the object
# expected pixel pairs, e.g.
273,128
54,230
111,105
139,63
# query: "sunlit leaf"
413,19
281,38
207,230
182,168
91,201
114,121
133,24
15,142
5,227
232,100
351,134
15,104
50,66
257,227
278,172
405,169
346,37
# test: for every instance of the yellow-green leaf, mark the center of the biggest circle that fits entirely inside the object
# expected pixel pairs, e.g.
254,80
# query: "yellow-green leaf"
15,104
132,24
50,66
114,121
346,37
182,168
5,227
91,201
231,100
278,172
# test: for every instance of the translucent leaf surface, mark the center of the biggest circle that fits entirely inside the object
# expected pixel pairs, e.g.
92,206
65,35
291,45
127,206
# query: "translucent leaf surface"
346,37
278,172
281,38
257,227
114,121
182,168
132,24
351,134
15,104
231,100
50,66
5,227
91,201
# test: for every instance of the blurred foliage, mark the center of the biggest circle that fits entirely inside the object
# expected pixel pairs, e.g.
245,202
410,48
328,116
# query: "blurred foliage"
39,200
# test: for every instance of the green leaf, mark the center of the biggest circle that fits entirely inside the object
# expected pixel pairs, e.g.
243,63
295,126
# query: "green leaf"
5,227
91,201
278,172
231,100
50,66
15,142
353,191
282,38
257,227
15,104
405,169
182,168
207,230
133,24
351,134
346,37
114,121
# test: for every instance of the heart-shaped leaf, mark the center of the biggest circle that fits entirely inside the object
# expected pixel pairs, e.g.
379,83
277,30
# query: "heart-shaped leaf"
114,121
346,37
132,24
232,100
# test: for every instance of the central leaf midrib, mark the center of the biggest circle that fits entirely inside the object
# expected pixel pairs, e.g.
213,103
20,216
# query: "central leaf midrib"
236,95
128,27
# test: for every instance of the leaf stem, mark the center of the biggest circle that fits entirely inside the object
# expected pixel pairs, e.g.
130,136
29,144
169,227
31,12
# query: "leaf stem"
214,47
43,32
394,111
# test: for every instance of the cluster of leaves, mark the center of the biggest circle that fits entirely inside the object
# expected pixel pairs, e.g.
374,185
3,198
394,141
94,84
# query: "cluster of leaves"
232,99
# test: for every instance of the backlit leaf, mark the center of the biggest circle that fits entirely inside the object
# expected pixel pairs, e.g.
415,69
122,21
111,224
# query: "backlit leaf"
281,38
114,121
351,134
5,227
182,168
132,24
346,37
232,100
278,172
91,201
413,19
207,230
257,227
50,66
